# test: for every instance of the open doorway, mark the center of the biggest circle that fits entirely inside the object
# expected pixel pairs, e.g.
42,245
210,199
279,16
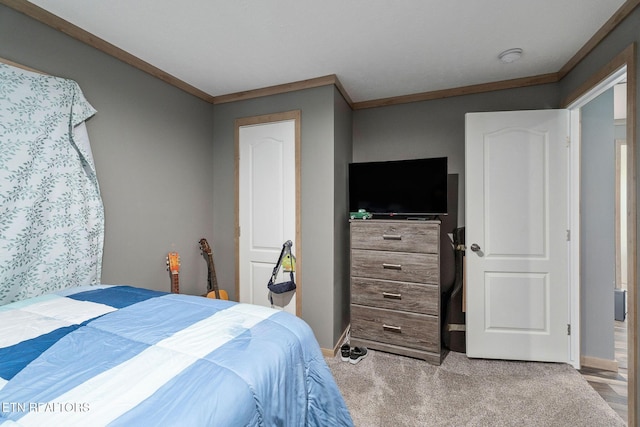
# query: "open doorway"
603,279
621,249
611,75
619,385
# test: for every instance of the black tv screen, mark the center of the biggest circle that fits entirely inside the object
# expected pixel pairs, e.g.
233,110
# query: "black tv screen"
402,187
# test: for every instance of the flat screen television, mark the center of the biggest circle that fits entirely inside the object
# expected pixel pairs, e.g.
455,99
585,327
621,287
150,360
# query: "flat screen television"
403,188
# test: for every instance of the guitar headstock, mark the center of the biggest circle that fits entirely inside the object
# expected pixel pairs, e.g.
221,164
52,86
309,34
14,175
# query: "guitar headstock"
204,246
173,262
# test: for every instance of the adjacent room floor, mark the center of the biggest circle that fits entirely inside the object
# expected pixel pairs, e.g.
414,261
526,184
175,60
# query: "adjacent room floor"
612,386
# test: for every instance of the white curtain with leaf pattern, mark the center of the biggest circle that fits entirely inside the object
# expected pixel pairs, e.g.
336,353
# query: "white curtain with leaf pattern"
51,212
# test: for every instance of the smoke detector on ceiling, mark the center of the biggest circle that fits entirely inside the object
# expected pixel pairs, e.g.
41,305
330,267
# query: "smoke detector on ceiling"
510,55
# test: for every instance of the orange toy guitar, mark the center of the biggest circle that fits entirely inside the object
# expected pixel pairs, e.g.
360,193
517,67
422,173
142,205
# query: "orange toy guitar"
212,288
173,265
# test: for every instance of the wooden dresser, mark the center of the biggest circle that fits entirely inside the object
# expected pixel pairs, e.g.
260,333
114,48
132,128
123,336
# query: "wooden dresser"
395,287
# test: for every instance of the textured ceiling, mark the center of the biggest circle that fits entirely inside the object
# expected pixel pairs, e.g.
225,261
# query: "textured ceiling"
377,48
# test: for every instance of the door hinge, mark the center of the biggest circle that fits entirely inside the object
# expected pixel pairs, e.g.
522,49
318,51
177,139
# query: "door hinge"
568,235
568,328
568,141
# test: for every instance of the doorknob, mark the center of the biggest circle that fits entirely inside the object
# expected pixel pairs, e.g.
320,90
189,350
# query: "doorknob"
475,247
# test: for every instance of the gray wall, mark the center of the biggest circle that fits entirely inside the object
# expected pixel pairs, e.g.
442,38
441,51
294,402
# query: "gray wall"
626,33
436,128
152,145
597,236
318,206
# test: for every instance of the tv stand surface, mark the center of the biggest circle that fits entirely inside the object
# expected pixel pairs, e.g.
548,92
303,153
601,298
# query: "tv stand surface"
402,217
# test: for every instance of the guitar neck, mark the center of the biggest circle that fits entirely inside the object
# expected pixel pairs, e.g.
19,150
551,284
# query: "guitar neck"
213,282
175,283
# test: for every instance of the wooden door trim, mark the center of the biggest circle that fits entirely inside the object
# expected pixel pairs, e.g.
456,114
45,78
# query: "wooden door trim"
294,115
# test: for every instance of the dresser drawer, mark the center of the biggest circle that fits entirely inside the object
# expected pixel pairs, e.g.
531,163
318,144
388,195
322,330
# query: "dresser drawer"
419,331
411,297
395,236
398,266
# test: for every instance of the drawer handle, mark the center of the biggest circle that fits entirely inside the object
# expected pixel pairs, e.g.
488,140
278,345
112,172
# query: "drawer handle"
391,266
391,296
392,237
390,328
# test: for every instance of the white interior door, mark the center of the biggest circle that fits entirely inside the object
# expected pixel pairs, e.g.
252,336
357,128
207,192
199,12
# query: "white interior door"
516,235
267,208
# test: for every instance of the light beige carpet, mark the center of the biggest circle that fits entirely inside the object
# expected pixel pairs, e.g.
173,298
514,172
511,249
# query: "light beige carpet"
389,390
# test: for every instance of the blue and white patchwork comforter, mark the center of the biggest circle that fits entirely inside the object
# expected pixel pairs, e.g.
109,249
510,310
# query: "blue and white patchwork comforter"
123,356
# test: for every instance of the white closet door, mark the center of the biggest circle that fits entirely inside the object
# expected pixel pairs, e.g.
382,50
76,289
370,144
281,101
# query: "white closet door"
267,207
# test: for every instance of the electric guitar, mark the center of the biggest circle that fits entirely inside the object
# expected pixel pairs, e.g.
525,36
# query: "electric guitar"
212,287
173,266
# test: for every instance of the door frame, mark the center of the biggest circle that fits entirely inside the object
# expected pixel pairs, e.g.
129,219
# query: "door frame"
294,115
592,87
619,144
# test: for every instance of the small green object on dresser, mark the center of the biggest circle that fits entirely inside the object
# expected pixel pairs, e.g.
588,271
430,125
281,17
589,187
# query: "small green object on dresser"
361,214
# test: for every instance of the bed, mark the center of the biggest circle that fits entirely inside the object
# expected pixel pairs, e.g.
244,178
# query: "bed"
125,356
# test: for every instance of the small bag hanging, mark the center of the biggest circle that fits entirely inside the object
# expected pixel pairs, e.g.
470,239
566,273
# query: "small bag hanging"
289,285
